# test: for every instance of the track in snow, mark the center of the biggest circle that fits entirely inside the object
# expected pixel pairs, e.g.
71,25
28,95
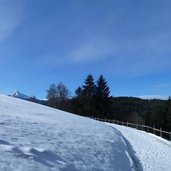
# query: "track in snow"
136,164
153,152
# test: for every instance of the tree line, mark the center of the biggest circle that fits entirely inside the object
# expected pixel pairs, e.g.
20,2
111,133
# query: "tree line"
93,99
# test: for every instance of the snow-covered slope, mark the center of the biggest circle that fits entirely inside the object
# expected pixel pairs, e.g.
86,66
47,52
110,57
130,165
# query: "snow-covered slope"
35,137
38,138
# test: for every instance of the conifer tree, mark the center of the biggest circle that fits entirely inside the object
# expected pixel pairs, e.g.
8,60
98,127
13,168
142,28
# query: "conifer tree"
77,102
168,115
83,101
88,93
102,97
102,89
89,87
78,92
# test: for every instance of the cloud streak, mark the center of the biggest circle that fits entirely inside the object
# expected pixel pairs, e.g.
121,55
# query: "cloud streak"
135,57
159,86
92,50
11,14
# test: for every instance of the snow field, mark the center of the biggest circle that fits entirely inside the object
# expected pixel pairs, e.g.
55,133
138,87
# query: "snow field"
35,137
39,138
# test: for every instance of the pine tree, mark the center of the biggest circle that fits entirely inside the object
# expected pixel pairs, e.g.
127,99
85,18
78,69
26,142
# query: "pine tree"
102,89
88,93
167,119
102,98
83,100
92,99
78,92
89,87
77,102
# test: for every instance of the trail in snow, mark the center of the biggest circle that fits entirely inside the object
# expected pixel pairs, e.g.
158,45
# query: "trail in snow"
153,153
131,153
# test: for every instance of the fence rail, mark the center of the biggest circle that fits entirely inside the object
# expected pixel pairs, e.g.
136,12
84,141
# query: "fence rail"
153,130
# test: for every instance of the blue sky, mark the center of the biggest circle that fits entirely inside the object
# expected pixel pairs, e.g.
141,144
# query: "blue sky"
44,42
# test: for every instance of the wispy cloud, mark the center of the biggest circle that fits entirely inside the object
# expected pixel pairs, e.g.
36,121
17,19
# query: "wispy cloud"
11,14
159,86
135,56
11,17
92,50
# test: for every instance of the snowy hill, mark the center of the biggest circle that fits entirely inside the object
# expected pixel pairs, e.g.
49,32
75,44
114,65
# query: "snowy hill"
35,137
19,95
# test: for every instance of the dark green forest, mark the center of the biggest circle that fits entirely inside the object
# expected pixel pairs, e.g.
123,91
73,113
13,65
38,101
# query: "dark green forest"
93,99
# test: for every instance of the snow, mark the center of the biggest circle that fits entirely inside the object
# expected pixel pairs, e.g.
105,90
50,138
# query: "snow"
153,152
19,95
36,137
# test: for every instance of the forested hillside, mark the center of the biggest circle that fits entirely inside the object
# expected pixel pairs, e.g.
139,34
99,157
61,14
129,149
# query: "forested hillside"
93,99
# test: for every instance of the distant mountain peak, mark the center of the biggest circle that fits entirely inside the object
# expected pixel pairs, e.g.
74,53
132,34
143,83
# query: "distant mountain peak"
19,95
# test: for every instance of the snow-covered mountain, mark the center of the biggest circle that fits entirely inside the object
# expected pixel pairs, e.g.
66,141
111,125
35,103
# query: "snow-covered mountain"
36,137
19,95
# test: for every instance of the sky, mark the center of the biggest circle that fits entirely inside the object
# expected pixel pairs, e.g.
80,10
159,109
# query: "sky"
44,42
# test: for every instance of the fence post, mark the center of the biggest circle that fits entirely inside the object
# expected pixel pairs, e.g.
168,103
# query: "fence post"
160,132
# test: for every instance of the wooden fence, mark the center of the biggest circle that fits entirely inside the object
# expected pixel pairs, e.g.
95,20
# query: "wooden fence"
158,132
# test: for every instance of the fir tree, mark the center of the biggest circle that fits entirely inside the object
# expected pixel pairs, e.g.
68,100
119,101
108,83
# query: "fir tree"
77,102
78,92
102,97
89,87
168,115
88,93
